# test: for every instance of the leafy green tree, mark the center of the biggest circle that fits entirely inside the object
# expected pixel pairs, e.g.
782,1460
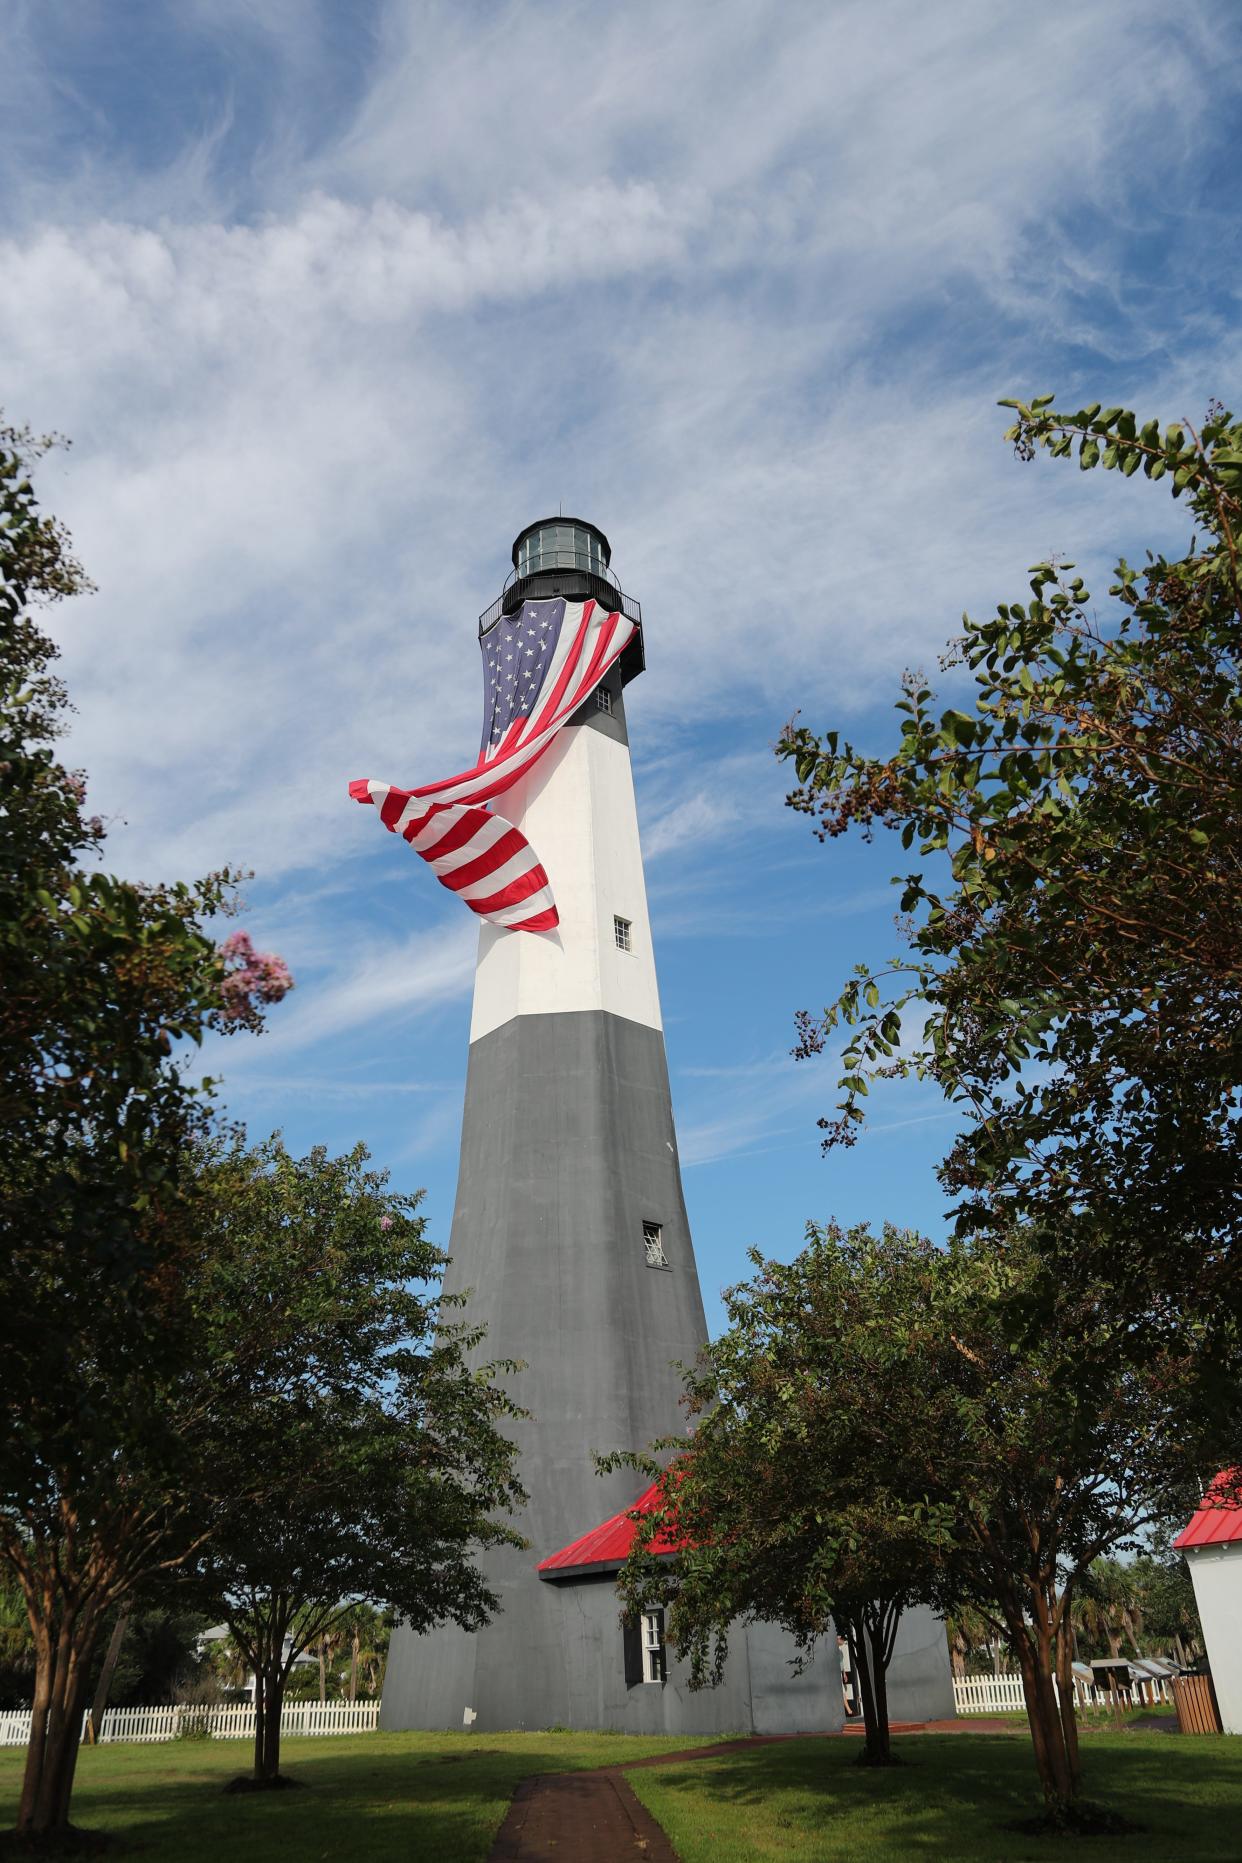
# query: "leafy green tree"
369,1632
1054,1450
880,1420
798,1497
1075,918
371,1453
1170,1613
17,1661
972,1639
103,978
1108,1609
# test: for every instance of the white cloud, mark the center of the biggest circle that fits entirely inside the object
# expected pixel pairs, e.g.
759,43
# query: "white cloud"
744,288
375,982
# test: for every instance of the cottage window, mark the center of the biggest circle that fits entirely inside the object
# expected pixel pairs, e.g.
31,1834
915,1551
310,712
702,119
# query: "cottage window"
643,1642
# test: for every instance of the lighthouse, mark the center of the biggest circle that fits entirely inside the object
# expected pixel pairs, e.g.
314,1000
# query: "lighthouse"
569,1238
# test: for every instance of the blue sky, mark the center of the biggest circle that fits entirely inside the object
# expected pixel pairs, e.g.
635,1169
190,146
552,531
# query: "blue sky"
334,299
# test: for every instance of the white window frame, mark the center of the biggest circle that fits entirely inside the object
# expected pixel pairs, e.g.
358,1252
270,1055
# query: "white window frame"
603,701
653,1242
652,1630
623,934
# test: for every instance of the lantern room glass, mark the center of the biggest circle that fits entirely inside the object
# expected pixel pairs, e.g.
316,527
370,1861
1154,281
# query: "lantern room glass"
562,546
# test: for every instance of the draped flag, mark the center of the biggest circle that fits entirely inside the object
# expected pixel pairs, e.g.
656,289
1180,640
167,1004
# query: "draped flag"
538,667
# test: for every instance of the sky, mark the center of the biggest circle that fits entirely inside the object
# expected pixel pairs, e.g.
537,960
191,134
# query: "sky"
333,299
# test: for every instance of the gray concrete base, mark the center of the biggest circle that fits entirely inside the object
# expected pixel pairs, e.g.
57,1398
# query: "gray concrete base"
920,1676
568,1148
568,1659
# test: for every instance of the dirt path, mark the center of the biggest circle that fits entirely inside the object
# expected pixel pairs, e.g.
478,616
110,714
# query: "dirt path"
579,1817
594,1817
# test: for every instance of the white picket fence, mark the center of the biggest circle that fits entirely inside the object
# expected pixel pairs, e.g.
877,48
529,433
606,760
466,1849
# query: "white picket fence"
1002,1694
234,1721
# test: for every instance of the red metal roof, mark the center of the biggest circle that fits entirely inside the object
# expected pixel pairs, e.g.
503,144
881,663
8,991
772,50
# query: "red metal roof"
1214,1523
607,1545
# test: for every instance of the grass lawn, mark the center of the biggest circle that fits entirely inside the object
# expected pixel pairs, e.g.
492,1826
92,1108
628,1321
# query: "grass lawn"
804,1801
442,1797
379,1796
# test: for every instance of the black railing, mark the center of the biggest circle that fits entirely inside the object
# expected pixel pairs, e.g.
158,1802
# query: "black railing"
565,577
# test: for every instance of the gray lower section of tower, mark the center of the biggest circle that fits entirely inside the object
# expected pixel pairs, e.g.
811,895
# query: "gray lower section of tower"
568,1149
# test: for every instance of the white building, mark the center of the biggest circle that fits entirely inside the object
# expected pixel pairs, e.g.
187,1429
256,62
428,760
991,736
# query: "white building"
1212,1546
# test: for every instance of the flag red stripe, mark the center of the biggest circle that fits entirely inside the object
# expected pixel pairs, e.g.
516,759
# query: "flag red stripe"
542,921
505,849
390,808
459,834
513,894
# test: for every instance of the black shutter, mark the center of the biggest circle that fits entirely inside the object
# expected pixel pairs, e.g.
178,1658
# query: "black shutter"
632,1643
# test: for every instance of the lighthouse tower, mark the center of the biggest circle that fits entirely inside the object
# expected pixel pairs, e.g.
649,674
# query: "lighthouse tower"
571,1239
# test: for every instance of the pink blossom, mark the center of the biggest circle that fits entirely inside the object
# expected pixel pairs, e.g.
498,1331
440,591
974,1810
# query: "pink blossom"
385,1222
256,977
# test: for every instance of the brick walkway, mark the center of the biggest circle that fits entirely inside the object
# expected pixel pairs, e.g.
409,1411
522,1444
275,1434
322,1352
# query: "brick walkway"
579,1817
594,1817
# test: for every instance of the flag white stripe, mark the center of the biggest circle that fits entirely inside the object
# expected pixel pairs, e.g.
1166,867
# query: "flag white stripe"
490,883
514,915
486,835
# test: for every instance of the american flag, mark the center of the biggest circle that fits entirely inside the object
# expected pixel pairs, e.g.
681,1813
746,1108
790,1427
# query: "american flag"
538,666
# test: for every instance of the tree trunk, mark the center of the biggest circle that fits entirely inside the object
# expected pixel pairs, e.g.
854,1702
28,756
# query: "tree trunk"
270,1686
869,1639
1034,1651
40,1707
354,1646
99,1706
260,1709
879,1683
323,1672
856,1638
62,1665
1066,1702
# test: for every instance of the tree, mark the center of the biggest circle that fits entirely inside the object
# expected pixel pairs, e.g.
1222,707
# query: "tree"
798,1498
1108,1610
972,1637
104,980
369,1449
1054,1449
881,1421
1075,922
1170,1612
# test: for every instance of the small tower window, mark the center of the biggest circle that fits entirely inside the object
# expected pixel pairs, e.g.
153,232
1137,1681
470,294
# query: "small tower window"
653,1242
621,929
653,1646
603,700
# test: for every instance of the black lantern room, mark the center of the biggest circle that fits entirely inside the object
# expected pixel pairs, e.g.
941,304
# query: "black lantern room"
568,557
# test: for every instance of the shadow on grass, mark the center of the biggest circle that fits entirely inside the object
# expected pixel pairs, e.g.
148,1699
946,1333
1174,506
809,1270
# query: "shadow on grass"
957,1795
386,1798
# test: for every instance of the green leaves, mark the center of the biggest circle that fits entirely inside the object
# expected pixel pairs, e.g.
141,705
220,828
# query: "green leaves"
1074,922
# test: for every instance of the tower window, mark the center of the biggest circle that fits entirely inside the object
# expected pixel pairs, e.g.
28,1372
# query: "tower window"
621,929
653,1646
603,700
653,1242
